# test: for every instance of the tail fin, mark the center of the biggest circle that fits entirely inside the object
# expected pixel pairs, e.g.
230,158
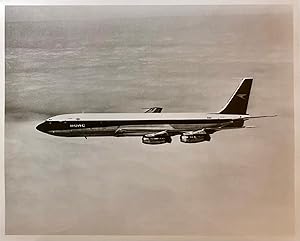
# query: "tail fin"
238,102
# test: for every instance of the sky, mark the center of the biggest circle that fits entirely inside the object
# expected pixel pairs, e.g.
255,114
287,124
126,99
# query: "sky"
185,59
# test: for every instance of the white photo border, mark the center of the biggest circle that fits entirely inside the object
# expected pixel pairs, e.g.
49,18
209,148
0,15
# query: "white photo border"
296,26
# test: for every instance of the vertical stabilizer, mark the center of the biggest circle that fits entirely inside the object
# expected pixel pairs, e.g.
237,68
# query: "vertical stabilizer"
238,102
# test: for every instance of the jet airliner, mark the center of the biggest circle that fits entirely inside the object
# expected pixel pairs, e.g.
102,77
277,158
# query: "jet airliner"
153,126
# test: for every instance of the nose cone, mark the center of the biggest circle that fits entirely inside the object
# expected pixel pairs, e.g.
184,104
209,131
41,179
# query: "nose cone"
42,127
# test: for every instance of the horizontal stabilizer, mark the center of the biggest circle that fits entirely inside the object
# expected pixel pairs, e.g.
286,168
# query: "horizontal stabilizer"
259,116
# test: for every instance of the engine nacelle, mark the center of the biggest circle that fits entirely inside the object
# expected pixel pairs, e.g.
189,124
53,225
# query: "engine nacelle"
155,140
194,138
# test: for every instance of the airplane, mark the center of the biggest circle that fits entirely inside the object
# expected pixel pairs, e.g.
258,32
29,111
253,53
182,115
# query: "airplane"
153,126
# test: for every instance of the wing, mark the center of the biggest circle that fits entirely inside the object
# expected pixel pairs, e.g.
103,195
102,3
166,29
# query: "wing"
154,110
201,135
158,130
158,134
145,130
212,130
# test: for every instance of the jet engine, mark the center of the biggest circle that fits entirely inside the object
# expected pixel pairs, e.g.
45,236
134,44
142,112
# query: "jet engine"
154,140
189,138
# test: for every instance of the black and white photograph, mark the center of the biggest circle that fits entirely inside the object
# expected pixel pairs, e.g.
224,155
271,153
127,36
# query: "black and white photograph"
149,120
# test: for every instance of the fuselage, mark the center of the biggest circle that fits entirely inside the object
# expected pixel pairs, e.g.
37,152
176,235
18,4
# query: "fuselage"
135,124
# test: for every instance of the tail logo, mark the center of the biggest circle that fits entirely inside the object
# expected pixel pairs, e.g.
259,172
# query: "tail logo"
242,96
